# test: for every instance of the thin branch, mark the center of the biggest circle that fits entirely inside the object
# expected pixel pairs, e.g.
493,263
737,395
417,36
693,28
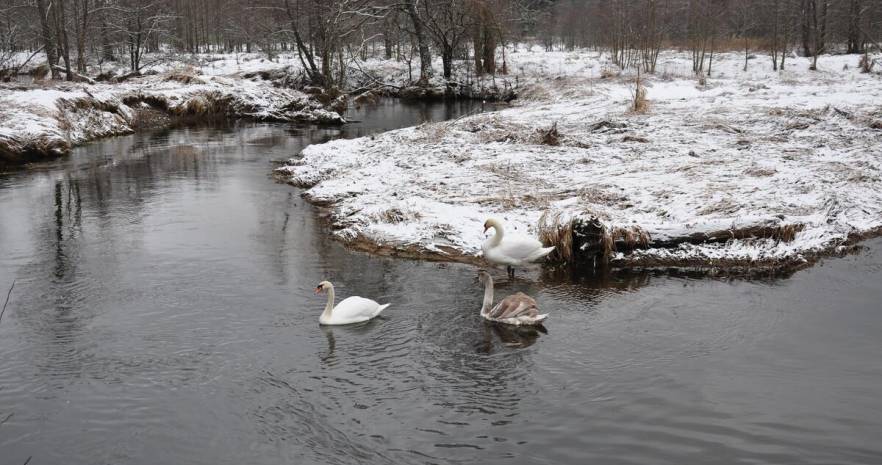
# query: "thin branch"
7,300
7,418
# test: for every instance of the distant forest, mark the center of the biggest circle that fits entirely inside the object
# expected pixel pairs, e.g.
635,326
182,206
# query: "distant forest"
326,34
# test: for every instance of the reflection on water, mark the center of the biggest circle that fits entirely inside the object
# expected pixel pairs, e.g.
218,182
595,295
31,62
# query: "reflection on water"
164,314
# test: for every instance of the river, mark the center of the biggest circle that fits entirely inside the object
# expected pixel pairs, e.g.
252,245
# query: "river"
163,312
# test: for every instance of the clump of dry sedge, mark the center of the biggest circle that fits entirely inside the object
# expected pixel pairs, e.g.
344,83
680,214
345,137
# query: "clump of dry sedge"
557,233
639,102
549,136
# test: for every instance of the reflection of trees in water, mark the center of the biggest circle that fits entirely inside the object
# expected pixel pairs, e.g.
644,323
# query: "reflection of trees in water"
71,212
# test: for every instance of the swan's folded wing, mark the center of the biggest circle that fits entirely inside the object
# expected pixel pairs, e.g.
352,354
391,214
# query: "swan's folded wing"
514,306
356,307
519,247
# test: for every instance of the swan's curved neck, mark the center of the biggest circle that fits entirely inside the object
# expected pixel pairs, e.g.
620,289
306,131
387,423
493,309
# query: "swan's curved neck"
488,295
497,237
330,305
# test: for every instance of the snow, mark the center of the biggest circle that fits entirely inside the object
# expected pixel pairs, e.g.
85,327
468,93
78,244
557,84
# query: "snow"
744,149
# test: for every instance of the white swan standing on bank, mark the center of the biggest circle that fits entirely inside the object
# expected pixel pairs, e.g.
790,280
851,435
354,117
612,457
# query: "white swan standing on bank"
511,250
350,310
517,309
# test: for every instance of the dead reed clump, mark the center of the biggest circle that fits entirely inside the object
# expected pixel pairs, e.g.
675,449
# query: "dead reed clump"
638,139
786,232
557,233
759,172
630,237
609,73
367,97
434,132
88,103
639,102
866,64
206,105
549,136
154,101
186,75
396,215
586,238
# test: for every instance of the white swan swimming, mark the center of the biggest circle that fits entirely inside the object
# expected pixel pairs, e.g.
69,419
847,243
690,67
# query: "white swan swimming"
512,250
350,310
516,309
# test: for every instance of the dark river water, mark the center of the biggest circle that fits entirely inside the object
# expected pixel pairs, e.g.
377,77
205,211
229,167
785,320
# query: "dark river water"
163,314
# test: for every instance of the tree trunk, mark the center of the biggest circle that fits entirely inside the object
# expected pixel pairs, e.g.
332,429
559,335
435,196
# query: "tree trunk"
489,50
447,61
854,27
806,27
476,45
63,44
422,42
81,10
106,47
48,35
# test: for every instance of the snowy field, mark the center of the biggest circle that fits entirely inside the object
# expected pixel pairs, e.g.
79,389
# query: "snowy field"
795,152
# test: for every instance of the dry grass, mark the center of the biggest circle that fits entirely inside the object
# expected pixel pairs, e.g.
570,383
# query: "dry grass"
549,136
15,151
758,172
557,233
609,73
639,102
553,231
434,132
185,75
395,216
630,237
866,64
206,105
88,103
154,101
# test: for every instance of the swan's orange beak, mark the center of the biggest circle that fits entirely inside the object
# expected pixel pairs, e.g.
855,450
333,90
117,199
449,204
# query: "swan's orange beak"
318,290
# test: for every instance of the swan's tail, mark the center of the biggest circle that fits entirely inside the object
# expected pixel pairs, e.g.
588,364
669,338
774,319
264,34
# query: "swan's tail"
380,309
540,253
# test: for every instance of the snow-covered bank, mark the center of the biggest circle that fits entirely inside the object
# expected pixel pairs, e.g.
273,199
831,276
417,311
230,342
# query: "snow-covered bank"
40,122
788,164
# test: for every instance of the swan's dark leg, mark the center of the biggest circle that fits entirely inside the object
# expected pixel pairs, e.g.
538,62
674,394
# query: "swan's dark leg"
510,270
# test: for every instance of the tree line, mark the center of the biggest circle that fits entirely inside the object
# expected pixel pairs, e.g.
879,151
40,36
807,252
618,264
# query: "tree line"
328,36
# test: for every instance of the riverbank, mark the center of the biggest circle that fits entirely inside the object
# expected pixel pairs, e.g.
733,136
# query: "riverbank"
742,171
44,121
41,120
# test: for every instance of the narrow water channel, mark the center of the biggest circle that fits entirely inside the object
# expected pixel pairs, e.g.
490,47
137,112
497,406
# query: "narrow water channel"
163,313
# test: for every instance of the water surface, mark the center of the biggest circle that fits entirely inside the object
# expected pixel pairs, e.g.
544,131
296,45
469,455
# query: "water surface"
164,313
